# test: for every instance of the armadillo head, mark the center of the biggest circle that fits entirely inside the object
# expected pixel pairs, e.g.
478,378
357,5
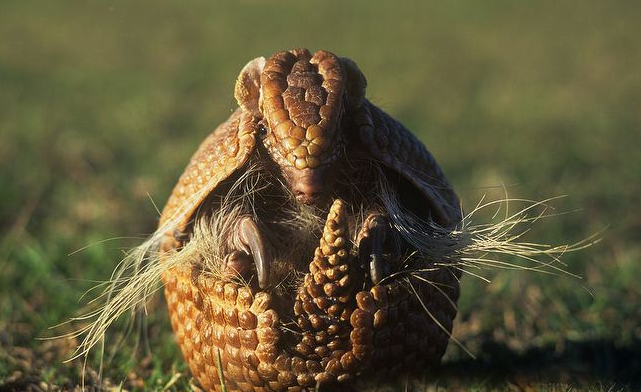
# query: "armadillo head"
300,101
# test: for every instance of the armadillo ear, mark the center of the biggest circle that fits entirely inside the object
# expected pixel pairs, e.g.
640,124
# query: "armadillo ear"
247,90
356,83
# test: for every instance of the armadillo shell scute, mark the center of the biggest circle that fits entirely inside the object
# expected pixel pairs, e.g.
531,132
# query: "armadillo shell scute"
390,142
220,154
341,331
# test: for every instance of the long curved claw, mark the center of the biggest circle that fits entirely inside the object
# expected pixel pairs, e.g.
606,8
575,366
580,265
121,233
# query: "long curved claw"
251,238
374,237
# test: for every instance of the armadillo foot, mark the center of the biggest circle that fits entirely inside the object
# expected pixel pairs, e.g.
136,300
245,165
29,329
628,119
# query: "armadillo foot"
238,264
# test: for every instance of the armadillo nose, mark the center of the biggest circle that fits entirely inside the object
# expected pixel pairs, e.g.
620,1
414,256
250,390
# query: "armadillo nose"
308,198
308,192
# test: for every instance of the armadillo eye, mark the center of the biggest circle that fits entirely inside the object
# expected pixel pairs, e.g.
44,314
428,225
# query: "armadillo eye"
262,130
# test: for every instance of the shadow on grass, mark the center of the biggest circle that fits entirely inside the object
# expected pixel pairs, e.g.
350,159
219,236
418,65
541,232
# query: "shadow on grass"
595,365
581,364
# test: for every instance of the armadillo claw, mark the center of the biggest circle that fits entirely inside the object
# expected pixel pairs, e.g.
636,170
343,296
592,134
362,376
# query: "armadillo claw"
253,242
374,240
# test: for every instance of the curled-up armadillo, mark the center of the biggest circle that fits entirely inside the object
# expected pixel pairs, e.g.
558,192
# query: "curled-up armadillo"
322,212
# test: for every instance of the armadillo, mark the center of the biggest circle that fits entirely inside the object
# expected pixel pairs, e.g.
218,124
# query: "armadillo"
294,307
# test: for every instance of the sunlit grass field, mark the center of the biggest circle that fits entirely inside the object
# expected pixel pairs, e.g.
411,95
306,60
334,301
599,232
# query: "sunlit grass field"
102,103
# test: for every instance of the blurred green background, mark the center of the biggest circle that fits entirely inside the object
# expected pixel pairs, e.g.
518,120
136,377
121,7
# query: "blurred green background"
102,103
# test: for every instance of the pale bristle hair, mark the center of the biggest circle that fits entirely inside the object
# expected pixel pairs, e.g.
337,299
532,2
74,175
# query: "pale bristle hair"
138,275
472,248
469,247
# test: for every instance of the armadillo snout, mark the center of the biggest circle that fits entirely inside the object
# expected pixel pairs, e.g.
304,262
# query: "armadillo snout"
308,197
309,186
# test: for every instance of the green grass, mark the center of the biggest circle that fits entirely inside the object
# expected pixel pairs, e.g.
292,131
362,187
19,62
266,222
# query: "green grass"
102,103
